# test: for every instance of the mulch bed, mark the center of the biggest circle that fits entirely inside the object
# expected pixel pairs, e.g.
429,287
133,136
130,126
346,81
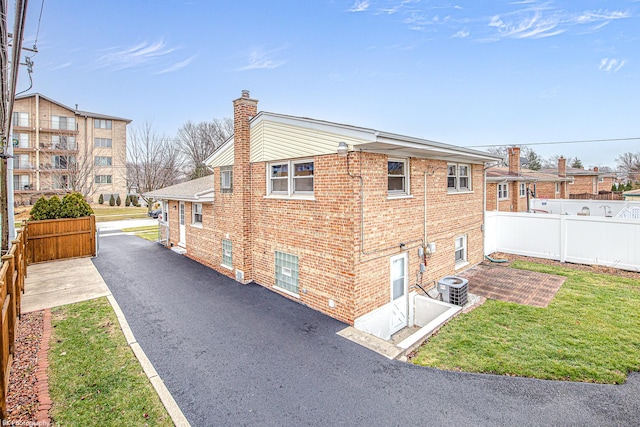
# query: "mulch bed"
28,386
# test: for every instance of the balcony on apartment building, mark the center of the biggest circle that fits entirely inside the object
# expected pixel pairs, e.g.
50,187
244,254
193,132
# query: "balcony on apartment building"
59,146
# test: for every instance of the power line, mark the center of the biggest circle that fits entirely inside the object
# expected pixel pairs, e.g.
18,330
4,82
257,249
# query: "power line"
557,142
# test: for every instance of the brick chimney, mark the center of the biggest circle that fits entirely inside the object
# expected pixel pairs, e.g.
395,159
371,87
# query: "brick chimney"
595,169
244,109
514,160
562,167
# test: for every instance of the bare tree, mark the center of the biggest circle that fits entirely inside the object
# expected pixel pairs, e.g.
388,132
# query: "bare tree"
533,160
629,165
199,141
551,162
153,161
72,167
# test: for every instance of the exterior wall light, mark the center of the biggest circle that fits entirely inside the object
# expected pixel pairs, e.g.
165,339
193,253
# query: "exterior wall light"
343,149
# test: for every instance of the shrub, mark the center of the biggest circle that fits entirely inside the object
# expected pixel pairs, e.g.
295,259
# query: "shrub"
118,200
101,199
134,200
112,201
39,210
74,206
127,200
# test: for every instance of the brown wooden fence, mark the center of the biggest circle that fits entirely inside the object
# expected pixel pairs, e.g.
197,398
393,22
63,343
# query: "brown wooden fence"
53,239
12,274
603,195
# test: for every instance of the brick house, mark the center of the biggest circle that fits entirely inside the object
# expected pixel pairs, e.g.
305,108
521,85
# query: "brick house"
337,217
582,181
509,189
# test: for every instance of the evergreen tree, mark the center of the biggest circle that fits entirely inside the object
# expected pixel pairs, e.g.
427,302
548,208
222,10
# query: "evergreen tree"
576,163
112,201
118,200
74,206
101,199
127,201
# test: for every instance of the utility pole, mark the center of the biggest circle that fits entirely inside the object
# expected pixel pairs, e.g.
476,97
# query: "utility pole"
8,86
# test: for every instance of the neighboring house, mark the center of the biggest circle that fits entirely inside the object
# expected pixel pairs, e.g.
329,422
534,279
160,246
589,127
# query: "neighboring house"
582,181
337,217
58,149
632,195
509,189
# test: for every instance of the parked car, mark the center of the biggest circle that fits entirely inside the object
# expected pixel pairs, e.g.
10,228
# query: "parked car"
155,213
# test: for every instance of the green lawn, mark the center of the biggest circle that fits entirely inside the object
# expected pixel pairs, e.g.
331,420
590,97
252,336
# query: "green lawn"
94,377
147,232
590,332
109,213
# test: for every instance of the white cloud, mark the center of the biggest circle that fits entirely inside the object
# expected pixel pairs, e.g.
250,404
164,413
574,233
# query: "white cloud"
60,66
120,58
259,59
360,6
177,66
462,34
611,65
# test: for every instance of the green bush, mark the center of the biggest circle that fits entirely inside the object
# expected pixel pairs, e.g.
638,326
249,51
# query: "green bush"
118,200
127,200
112,201
72,206
101,199
39,210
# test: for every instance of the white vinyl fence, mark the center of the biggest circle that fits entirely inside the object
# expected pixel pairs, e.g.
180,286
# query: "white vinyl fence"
600,208
567,238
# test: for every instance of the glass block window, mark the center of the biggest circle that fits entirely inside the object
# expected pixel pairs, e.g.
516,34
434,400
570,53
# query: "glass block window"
227,258
287,272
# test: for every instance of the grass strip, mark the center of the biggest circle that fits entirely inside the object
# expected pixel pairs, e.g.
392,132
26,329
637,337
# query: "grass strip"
148,232
590,332
94,377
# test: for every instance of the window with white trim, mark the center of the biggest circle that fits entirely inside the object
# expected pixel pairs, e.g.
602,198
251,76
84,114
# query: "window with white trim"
20,140
165,211
226,179
398,177
282,182
102,160
458,177
461,250
62,142
523,189
102,179
227,254
20,119
63,123
196,213
102,124
503,191
103,142
601,179
557,187
286,272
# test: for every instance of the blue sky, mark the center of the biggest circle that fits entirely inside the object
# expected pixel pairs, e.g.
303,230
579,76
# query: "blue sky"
463,72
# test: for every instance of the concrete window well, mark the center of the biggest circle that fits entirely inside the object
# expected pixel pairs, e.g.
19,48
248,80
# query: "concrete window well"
426,313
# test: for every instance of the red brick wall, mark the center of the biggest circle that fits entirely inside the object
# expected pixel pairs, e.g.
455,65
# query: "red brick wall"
583,184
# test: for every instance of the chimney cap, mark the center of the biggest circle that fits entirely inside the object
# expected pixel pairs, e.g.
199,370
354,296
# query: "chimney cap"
245,94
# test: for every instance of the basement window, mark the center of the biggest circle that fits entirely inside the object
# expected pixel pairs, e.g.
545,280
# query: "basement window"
286,272
461,251
227,258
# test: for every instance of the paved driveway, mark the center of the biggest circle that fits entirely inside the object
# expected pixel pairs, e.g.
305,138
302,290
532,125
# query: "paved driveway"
242,355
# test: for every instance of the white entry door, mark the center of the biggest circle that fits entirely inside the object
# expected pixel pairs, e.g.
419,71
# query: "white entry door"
399,297
183,229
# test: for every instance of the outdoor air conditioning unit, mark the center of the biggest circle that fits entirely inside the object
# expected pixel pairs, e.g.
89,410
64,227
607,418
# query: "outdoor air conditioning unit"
453,290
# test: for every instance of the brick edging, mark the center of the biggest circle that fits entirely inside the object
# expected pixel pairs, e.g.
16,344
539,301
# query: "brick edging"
44,400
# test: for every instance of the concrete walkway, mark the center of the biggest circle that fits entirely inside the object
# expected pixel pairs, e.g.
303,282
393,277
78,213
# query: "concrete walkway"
56,283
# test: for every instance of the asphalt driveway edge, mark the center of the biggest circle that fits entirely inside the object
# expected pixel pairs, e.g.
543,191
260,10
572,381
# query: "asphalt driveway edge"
165,396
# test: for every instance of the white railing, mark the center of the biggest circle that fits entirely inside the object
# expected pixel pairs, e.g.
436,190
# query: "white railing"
588,240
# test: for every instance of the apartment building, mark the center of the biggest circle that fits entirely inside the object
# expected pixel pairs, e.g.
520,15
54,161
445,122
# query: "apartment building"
57,149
